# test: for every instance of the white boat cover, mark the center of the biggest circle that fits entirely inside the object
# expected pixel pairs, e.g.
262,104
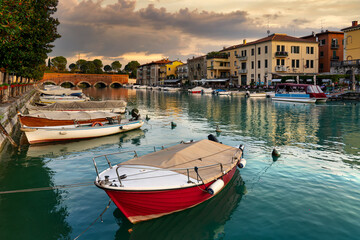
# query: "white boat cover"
194,154
89,106
57,90
80,116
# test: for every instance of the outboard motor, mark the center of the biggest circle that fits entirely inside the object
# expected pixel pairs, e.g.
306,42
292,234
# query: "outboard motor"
135,114
213,138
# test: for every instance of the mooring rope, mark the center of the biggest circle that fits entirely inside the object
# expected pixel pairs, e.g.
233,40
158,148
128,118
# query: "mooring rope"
100,216
48,188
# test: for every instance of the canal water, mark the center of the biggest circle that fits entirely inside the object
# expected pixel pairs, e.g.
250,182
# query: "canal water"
310,192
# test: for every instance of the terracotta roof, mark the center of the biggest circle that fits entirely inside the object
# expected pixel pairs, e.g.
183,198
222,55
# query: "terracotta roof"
163,61
190,59
273,37
351,28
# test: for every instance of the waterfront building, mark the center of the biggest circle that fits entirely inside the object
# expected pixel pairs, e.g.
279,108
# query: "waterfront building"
182,73
149,73
352,41
277,55
168,71
330,48
197,68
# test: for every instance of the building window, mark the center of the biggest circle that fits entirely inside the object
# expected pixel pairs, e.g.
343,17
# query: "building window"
297,63
266,49
244,53
234,63
295,49
307,64
312,64
212,74
235,73
259,77
259,64
252,51
321,53
278,62
322,42
259,50
228,54
293,63
278,48
169,69
266,63
321,66
282,62
312,50
252,64
243,65
235,53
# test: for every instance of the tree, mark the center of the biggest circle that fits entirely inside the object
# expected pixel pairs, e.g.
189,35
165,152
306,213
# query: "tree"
98,66
81,65
107,68
59,63
72,67
26,31
131,68
116,66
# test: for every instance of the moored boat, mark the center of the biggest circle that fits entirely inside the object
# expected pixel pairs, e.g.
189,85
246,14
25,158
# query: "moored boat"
51,119
255,94
306,93
222,92
48,99
169,180
47,134
114,106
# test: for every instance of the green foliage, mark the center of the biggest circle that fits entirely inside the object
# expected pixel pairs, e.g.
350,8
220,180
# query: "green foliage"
216,55
59,63
98,66
26,31
72,67
107,68
131,68
116,66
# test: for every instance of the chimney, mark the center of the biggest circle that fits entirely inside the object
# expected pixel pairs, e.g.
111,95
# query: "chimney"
354,23
244,41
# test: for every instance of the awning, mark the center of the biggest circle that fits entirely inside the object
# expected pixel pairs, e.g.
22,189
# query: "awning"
276,80
171,81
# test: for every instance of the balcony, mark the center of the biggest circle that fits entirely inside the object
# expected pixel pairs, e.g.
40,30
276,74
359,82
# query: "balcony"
281,54
242,58
335,58
334,46
242,71
280,68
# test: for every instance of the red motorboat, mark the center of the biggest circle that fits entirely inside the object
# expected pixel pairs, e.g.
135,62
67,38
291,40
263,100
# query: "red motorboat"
169,180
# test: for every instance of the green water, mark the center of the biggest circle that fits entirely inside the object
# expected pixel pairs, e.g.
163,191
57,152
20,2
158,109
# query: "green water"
310,192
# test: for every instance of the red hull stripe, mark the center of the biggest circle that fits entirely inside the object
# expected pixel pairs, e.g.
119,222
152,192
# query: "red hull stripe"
140,206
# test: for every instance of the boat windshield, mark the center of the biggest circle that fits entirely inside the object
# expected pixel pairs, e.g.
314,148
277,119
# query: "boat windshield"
314,89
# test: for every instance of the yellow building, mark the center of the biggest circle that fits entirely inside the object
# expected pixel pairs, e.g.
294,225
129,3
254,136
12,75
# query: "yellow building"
169,71
259,61
352,41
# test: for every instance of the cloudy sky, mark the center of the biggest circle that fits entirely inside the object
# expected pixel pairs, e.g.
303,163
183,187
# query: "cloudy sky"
149,30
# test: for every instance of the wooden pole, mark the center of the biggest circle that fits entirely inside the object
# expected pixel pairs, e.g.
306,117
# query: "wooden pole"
4,132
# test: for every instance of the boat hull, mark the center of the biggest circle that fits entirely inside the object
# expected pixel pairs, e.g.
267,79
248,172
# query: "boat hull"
140,206
35,135
302,100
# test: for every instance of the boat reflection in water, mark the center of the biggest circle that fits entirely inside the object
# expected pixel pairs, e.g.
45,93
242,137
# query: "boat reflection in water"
65,148
205,221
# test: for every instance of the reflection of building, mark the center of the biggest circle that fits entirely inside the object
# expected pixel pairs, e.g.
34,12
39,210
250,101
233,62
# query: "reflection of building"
197,68
352,41
330,48
149,73
278,54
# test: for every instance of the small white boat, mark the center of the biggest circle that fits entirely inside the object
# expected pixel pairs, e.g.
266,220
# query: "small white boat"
48,99
196,90
207,91
42,135
222,92
256,94
171,89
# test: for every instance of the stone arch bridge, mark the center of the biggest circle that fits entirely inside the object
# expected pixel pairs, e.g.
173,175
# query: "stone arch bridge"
89,80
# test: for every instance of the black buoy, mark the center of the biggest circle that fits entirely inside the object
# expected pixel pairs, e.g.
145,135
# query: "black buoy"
275,154
213,138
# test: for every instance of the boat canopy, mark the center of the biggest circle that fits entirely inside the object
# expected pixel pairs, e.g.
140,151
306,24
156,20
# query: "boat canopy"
276,80
211,158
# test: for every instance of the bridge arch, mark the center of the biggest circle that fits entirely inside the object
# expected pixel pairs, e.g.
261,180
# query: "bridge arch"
65,83
84,84
100,84
49,82
115,84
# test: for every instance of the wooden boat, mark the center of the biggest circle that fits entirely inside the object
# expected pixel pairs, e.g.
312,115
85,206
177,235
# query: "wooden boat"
169,180
45,134
306,93
114,106
51,119
222,92
48,99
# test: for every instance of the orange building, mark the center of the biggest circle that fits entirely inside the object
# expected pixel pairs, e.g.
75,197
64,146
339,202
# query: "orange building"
331,48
